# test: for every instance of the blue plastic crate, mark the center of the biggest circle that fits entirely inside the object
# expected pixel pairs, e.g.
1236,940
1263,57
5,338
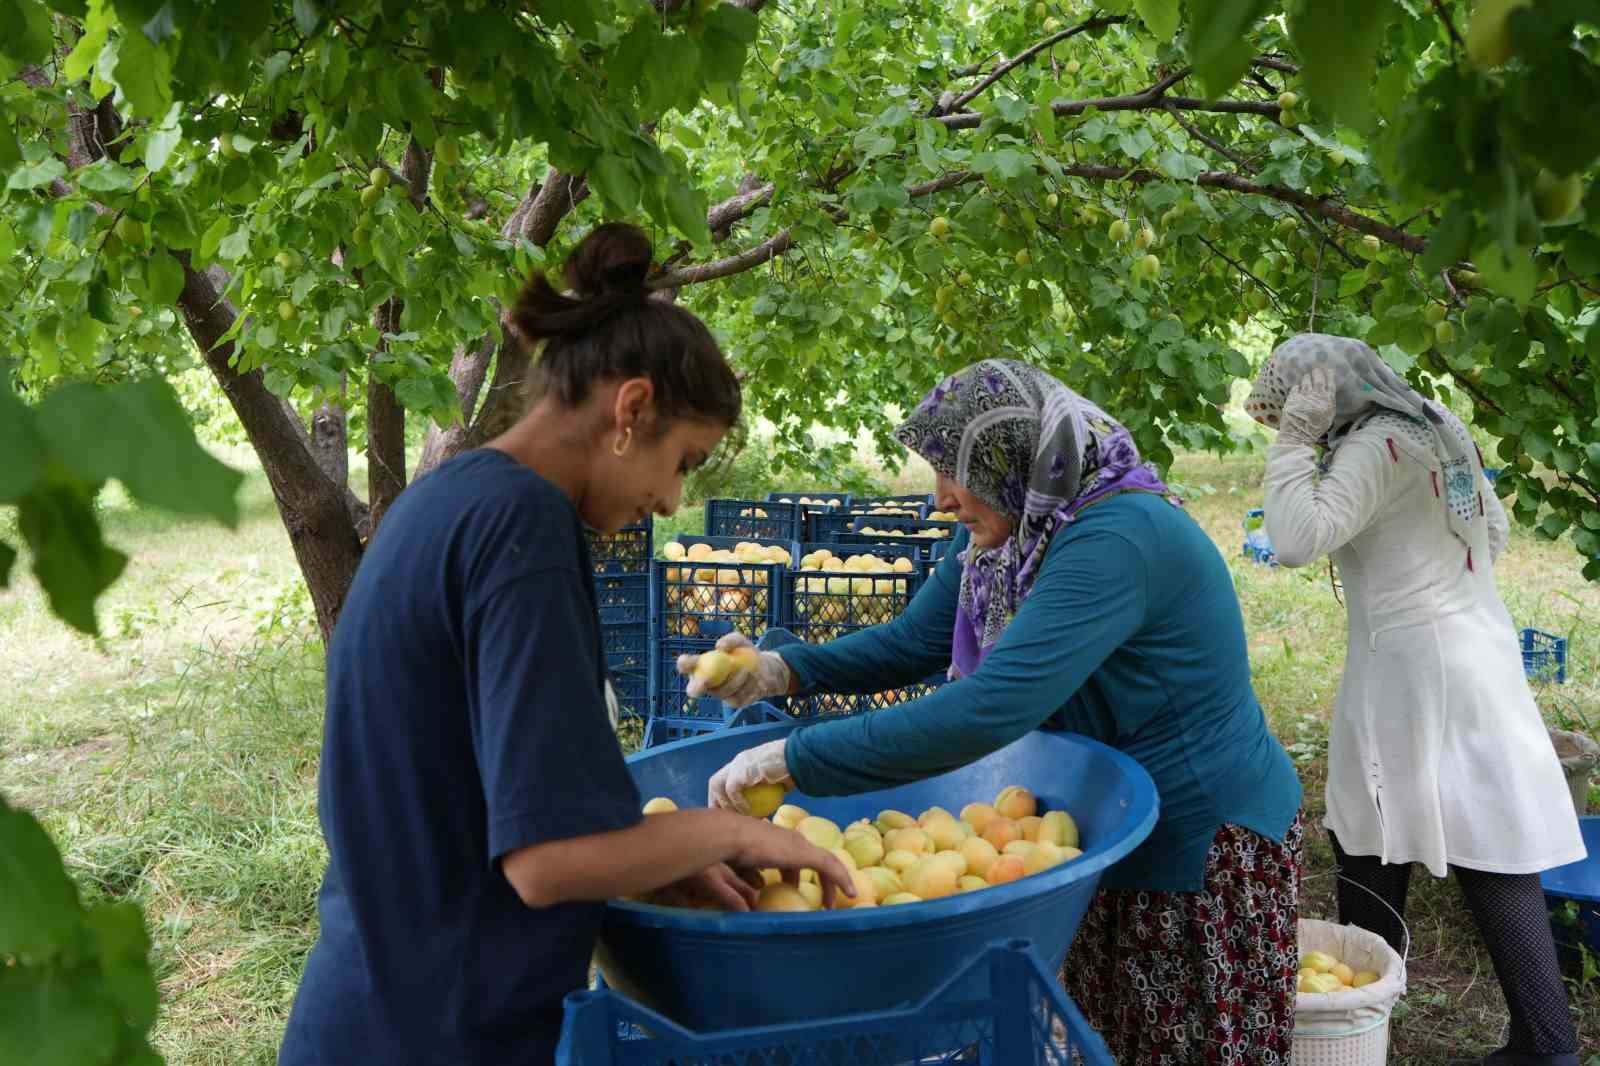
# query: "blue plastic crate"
1544,656
924,499
843,703
730,543
1257,546
1001,1009
819,499
623,599
626,646
926,550
752,519
822,526
627,551
662,729
887,526
1492,472
694,600
820,606
633,691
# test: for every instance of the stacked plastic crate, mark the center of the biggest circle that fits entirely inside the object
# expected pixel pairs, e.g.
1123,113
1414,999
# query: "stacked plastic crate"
621,563
703,589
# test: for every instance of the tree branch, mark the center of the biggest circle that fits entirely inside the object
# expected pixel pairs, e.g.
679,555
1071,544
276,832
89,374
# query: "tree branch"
1216,146
1449,25
1028,53
1151,99
314,510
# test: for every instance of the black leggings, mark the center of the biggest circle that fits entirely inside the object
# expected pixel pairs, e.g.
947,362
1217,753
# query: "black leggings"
1510,914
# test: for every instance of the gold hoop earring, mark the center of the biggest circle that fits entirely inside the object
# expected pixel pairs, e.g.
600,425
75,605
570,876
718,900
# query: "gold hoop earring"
620,448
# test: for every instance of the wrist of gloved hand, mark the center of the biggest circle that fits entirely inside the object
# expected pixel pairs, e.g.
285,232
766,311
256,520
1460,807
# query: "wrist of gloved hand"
735,672
761,765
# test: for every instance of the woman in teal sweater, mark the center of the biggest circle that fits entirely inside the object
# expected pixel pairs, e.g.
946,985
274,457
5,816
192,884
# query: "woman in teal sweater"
1080,597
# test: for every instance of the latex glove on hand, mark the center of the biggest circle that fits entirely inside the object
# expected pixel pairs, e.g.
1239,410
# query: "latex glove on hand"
735,672
764,764
1308,411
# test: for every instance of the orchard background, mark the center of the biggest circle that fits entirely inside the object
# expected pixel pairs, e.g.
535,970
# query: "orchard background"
291,228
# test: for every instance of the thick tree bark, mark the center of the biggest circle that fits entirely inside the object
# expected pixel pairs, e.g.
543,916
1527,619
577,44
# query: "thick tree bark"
330,442
312,506
386,428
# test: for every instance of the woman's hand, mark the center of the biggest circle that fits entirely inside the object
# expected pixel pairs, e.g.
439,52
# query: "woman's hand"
771,847
747,676
718,885
1308,411
761,765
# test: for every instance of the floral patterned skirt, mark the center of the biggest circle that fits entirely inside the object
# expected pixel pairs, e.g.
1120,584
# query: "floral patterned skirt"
1207,977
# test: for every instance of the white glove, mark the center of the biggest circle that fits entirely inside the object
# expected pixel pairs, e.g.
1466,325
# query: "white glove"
1308,411
761,765
741,675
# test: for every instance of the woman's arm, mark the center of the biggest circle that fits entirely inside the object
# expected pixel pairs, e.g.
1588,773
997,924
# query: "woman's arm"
658,851
1089,598
901,652
1306,516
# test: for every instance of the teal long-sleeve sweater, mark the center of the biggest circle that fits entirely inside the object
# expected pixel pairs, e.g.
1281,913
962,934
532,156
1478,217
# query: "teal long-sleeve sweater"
1132,635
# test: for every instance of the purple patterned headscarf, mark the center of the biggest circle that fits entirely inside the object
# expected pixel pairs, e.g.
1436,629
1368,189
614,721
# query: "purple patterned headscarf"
1028,446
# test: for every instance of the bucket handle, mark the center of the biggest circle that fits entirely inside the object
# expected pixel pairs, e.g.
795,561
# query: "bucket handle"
1405,956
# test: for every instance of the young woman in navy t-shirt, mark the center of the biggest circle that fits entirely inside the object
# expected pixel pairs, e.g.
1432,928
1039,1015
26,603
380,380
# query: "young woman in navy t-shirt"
472,793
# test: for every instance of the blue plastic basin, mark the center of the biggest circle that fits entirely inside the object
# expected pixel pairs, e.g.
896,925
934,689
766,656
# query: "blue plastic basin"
711,971
1577,883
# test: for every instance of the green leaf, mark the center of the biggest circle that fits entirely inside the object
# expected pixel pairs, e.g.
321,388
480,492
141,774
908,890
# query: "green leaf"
1450,240
1219,45
729,32
1136,142
617,183
306,17
235,245
80,61
138,434
54,1017
1161,16
124,949
1180,166
688,211
162,139
24,33
143,72
39,910
104,175
1338,46
164,278
36,175
102,307
211,240
1582,253
1513,275
70,559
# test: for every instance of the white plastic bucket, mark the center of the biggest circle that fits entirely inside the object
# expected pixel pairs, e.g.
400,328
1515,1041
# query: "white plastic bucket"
1351,1027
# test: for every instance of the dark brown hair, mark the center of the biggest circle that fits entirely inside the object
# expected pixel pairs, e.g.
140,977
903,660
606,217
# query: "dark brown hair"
612,328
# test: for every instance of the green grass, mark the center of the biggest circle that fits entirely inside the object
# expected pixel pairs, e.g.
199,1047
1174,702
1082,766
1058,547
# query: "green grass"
175,759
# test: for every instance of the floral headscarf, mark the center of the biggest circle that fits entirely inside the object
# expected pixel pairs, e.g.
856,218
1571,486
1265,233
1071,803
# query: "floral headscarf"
1365,388
1031,448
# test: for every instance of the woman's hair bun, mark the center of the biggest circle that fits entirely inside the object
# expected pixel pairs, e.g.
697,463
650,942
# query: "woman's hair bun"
613,258
605,272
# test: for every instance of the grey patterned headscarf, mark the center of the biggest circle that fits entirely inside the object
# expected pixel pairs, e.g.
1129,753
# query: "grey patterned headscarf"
1031,448
1365,388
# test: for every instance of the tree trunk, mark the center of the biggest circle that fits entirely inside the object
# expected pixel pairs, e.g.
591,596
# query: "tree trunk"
330,442
321,529
386,428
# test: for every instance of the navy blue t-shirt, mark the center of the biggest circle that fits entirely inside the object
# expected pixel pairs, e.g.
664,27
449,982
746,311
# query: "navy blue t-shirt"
466,718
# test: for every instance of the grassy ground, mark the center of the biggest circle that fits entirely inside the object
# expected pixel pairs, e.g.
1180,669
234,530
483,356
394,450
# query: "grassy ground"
175,759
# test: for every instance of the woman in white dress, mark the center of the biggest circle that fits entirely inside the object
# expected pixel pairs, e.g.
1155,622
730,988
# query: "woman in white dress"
1438,754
